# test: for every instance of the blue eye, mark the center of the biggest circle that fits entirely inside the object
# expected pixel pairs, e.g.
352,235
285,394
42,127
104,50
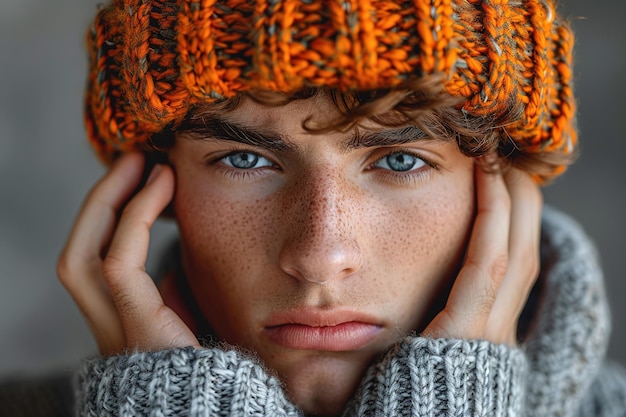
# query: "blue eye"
400,162
246,160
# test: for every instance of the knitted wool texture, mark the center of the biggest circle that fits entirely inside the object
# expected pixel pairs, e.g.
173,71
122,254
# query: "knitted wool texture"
150,60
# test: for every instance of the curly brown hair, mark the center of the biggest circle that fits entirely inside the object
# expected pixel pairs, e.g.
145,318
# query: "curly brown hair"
422,103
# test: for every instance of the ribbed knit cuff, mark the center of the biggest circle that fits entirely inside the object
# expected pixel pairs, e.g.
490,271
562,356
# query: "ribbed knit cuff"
185,381
444,378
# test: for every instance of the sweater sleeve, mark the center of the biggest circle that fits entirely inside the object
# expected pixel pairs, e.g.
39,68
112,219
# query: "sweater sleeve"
444,378
187,381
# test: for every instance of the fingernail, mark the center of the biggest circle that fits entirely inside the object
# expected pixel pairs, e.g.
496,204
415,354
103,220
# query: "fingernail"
154,173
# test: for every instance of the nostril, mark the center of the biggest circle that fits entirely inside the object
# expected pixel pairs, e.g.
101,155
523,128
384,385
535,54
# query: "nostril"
334,261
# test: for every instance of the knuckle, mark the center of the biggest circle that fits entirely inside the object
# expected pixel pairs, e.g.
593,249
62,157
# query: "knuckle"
67,269
175,336
112,268
125,303
115,271
64,268
498,267
484,301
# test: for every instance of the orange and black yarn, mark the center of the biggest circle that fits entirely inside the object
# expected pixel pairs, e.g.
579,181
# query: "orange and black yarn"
151,59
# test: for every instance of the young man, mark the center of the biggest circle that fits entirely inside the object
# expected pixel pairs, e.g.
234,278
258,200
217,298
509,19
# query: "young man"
356,186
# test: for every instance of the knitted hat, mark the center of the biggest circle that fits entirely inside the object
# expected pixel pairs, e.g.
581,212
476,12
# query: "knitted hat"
150,60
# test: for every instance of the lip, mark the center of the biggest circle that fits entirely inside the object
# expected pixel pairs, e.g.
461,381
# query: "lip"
332,331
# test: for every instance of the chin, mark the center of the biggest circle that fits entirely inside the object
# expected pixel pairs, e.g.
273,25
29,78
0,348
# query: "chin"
322,383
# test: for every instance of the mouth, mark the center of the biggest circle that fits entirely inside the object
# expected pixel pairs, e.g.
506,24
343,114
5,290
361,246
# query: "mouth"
331,331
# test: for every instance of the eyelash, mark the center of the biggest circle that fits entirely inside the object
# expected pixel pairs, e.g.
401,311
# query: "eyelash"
406,177
233,173
402,178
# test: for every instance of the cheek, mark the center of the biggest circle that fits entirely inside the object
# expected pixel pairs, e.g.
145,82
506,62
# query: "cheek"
224,238
422,239
437,224
217,223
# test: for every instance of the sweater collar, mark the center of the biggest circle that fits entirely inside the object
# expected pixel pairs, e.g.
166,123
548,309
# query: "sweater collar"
566,321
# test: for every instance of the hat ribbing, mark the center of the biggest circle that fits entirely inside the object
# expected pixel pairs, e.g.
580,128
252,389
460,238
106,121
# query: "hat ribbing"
150,60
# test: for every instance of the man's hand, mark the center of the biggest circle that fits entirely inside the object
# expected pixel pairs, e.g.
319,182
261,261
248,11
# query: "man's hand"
103,262
501,264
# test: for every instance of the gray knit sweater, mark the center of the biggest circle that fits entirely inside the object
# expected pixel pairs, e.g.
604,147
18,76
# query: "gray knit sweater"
559,370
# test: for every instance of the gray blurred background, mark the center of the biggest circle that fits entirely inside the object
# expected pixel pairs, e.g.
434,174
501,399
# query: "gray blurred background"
46,168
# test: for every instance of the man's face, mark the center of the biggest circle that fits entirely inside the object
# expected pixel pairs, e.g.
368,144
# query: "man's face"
318,251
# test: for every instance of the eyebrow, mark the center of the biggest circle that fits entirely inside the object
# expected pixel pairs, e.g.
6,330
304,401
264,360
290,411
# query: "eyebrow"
387,137
200,128
216,128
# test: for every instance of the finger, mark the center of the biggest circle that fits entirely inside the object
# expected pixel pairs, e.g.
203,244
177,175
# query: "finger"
79,265
524,242
148,323
132,236
473,294
98,215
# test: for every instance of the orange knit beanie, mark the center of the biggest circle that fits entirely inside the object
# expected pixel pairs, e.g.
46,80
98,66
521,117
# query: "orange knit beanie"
150,60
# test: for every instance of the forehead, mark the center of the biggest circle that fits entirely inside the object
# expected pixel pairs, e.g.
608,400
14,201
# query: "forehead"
270,111
288,118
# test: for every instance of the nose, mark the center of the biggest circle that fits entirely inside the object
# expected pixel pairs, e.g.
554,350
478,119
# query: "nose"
323,223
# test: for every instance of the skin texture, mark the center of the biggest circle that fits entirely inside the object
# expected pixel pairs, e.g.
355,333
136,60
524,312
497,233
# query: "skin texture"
315,228
320,229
